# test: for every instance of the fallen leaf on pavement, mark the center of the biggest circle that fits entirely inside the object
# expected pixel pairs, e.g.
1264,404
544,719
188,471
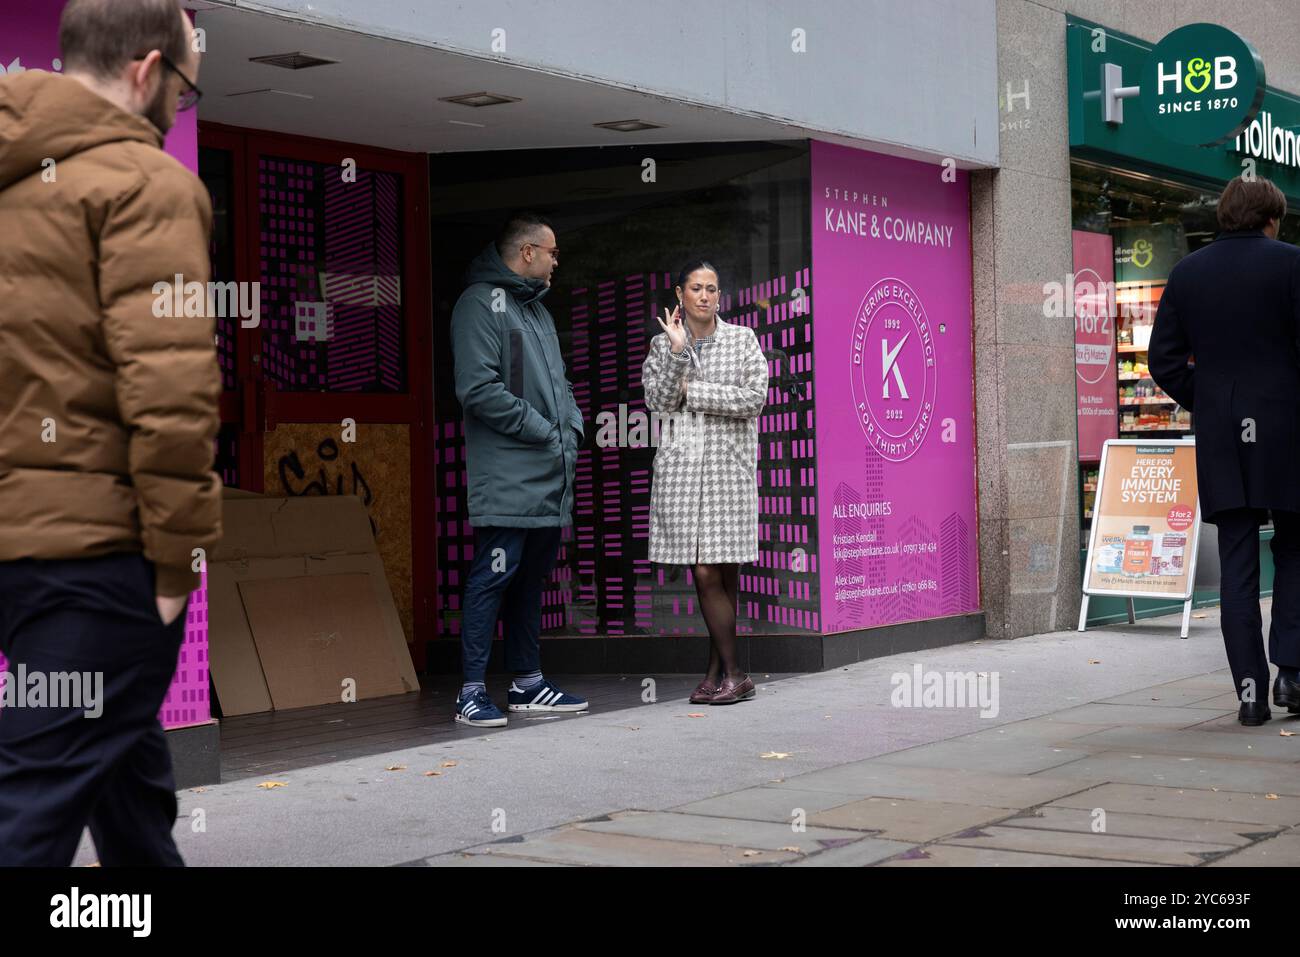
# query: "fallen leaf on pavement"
697,714
753,853
1199,614
447,764
632,727
198,790
432,774
778,755
793,850
273,784
1270,797
1287,734
1094,661
396,767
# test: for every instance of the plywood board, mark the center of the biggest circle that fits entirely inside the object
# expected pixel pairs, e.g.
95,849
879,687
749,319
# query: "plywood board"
316,632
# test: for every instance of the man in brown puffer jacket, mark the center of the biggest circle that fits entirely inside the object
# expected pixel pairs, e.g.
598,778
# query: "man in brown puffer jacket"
108,415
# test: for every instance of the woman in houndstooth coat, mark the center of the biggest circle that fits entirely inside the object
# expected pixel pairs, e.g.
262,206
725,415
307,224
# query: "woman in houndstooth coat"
707,380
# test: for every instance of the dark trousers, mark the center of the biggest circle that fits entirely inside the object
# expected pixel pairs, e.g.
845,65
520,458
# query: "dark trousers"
61,769
510,568
1242,621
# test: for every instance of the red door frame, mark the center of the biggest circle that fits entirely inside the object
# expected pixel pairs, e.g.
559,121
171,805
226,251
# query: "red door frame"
257,407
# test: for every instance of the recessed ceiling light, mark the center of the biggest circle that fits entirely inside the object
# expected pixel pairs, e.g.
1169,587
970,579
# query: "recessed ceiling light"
628,126
481,126
291,61
267,89
479,99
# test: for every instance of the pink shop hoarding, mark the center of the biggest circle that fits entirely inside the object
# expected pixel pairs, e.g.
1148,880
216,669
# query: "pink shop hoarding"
895,411
29,39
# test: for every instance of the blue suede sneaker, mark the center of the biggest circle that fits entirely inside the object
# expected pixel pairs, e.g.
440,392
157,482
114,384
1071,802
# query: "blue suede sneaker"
479,711
543,696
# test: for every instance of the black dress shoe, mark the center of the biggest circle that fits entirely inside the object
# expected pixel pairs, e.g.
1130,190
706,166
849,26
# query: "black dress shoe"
1286,694
1254,713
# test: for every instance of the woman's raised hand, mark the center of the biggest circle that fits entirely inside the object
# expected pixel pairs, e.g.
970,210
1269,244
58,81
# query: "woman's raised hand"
673,327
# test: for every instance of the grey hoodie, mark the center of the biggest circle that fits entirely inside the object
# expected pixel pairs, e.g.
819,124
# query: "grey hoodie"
522,425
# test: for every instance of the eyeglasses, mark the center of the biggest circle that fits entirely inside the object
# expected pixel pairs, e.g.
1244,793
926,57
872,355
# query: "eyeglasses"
190,96
553,250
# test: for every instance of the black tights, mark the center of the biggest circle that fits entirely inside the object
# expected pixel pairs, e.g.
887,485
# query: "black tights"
716,586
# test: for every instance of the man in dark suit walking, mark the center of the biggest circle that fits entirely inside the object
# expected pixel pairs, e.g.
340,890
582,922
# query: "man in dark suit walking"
1233,309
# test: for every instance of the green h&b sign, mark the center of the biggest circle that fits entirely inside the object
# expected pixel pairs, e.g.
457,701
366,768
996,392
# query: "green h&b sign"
1202,85
1101,59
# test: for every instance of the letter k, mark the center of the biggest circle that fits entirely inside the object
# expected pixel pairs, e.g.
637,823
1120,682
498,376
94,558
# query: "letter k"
889,360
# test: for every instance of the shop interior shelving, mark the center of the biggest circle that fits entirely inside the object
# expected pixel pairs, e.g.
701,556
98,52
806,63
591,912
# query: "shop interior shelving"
1144,408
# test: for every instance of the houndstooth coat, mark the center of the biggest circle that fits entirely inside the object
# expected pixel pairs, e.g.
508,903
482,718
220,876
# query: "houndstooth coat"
704,497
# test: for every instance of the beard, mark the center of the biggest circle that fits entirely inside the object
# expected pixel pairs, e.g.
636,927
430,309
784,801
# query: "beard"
156,111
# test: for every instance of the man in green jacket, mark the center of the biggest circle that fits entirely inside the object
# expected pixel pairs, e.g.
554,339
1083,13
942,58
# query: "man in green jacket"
522,432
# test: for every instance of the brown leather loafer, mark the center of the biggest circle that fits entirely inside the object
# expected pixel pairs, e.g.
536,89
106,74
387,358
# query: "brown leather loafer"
704,692
731,691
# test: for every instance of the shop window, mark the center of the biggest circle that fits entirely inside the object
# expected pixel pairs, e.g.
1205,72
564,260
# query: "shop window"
1152,224
622,239
331,293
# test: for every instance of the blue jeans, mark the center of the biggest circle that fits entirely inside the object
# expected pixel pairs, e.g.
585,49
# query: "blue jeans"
511,565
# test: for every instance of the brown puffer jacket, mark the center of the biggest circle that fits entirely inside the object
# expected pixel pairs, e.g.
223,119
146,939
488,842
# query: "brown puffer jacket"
108,414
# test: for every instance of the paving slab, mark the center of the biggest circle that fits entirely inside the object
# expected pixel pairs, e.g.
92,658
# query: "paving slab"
1045,730
1131,714
874,778
1194,772
767,804
1225,702
1109,847
861,854
1189,829
947,855
1214,681
1265,744
900,819
697,828
573,845
486,860
1163,697
1229,724
1282,851
1221,805
990,755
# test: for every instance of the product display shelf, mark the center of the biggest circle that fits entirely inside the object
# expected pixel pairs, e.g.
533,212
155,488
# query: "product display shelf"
1088,473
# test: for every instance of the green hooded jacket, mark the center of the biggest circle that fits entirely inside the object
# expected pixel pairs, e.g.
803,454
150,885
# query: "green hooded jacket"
522,425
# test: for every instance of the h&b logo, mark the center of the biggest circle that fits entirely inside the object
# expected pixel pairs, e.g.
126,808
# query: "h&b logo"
1199,73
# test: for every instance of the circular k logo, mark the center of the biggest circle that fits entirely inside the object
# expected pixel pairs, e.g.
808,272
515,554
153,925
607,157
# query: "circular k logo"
892,369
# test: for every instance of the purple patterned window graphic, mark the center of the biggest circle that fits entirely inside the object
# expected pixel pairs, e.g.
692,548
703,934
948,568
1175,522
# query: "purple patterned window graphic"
603,583
331,257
